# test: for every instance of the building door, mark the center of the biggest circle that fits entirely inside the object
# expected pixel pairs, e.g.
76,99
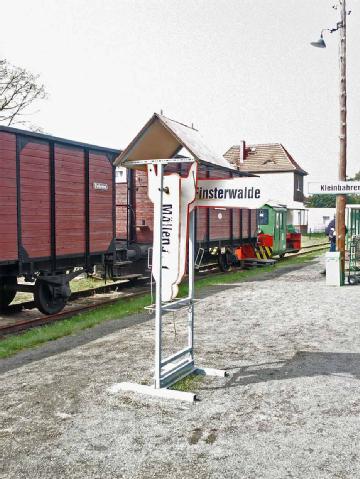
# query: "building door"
280,232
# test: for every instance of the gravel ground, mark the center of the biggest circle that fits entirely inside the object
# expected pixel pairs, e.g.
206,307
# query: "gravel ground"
290,408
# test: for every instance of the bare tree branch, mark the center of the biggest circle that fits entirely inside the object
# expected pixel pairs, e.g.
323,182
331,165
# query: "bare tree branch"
18,90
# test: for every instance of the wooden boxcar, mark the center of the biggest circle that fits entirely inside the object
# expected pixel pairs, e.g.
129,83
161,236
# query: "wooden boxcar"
57,202
218,230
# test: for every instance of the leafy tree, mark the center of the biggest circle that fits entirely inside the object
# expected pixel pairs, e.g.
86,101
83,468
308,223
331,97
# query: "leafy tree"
356,177
354,199
18,90
320,201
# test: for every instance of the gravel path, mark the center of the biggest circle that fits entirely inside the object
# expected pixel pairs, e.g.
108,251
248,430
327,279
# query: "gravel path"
290,409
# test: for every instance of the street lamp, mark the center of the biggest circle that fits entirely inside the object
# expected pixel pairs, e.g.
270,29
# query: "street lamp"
320,43
340,199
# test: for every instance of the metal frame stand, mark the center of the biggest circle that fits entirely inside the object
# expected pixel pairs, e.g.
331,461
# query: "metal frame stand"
171,369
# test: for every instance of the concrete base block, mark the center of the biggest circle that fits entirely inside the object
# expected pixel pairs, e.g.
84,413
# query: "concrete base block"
151,391
211,372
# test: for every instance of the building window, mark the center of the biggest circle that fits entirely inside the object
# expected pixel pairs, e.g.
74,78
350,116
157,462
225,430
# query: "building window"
263,217
298,187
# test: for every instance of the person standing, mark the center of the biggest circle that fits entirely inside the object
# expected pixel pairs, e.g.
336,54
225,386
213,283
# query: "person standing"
331,234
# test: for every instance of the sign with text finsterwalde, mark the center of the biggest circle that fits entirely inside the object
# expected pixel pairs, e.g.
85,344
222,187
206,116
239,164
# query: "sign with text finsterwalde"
231,193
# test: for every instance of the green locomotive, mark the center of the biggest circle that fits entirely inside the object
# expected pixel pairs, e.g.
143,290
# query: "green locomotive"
274,231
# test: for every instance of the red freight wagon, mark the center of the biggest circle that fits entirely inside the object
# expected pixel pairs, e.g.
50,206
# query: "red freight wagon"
218,230
57,213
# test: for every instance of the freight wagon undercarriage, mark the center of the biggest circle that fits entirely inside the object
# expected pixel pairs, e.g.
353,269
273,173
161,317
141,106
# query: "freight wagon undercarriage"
50,287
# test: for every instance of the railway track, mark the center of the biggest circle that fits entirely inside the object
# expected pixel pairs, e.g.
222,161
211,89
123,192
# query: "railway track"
127,282
309,249
21,324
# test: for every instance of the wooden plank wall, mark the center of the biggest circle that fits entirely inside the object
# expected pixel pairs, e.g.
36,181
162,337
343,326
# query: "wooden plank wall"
220,219
121,210
144,209
8,202
35,198
70,200
101,203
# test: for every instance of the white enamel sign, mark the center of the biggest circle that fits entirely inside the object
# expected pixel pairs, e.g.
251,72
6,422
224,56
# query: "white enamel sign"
100,186
178,194
334,188
245,192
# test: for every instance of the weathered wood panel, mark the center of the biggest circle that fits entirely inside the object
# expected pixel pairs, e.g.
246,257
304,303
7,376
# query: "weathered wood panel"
101,203
35,198
8,203
70,200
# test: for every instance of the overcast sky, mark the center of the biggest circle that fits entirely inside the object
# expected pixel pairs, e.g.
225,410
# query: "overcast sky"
237,69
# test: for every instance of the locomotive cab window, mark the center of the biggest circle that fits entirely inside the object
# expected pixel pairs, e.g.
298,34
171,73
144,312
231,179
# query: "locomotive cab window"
121,174
263,217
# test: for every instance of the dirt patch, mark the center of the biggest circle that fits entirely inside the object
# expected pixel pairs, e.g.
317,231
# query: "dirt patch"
289,409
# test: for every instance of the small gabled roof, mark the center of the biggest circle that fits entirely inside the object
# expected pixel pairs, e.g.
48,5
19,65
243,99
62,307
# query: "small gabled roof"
163,138
275,205
263,158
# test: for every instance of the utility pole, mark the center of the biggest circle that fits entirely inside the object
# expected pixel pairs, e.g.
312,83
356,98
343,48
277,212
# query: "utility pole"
341,199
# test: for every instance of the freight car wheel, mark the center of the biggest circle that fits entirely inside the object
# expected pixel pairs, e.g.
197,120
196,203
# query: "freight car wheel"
224,262
45,298
6,294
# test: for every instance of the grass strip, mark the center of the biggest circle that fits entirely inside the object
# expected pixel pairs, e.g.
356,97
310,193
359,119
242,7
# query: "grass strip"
33,337
188,383
238,276
10,345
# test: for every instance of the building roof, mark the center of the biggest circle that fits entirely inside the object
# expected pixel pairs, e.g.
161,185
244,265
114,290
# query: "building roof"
162,138
263,158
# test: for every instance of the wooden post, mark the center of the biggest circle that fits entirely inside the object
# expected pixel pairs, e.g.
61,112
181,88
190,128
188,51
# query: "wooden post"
341,199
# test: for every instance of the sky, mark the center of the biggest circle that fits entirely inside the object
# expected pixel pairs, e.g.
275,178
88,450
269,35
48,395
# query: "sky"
236,69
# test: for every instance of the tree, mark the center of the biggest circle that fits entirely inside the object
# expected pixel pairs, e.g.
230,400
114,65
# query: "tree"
354,199
18,90
356,177
320,201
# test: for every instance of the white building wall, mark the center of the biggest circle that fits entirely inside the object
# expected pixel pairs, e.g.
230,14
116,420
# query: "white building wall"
279,188
318,218
298,217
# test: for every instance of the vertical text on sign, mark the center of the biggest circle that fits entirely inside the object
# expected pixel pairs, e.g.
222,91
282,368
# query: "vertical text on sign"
167,227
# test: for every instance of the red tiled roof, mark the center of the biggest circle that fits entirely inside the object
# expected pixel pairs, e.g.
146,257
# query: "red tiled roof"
265,158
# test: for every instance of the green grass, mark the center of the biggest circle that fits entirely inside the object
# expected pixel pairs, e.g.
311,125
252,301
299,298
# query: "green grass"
314,235
189,383
314,239
10,345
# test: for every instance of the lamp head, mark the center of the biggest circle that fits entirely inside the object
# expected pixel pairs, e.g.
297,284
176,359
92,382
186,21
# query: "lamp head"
320,43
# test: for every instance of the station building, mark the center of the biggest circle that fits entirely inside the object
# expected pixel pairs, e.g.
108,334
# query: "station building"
275,165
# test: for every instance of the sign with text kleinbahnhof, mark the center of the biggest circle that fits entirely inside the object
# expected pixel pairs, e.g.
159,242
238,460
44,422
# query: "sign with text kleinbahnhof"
334,188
